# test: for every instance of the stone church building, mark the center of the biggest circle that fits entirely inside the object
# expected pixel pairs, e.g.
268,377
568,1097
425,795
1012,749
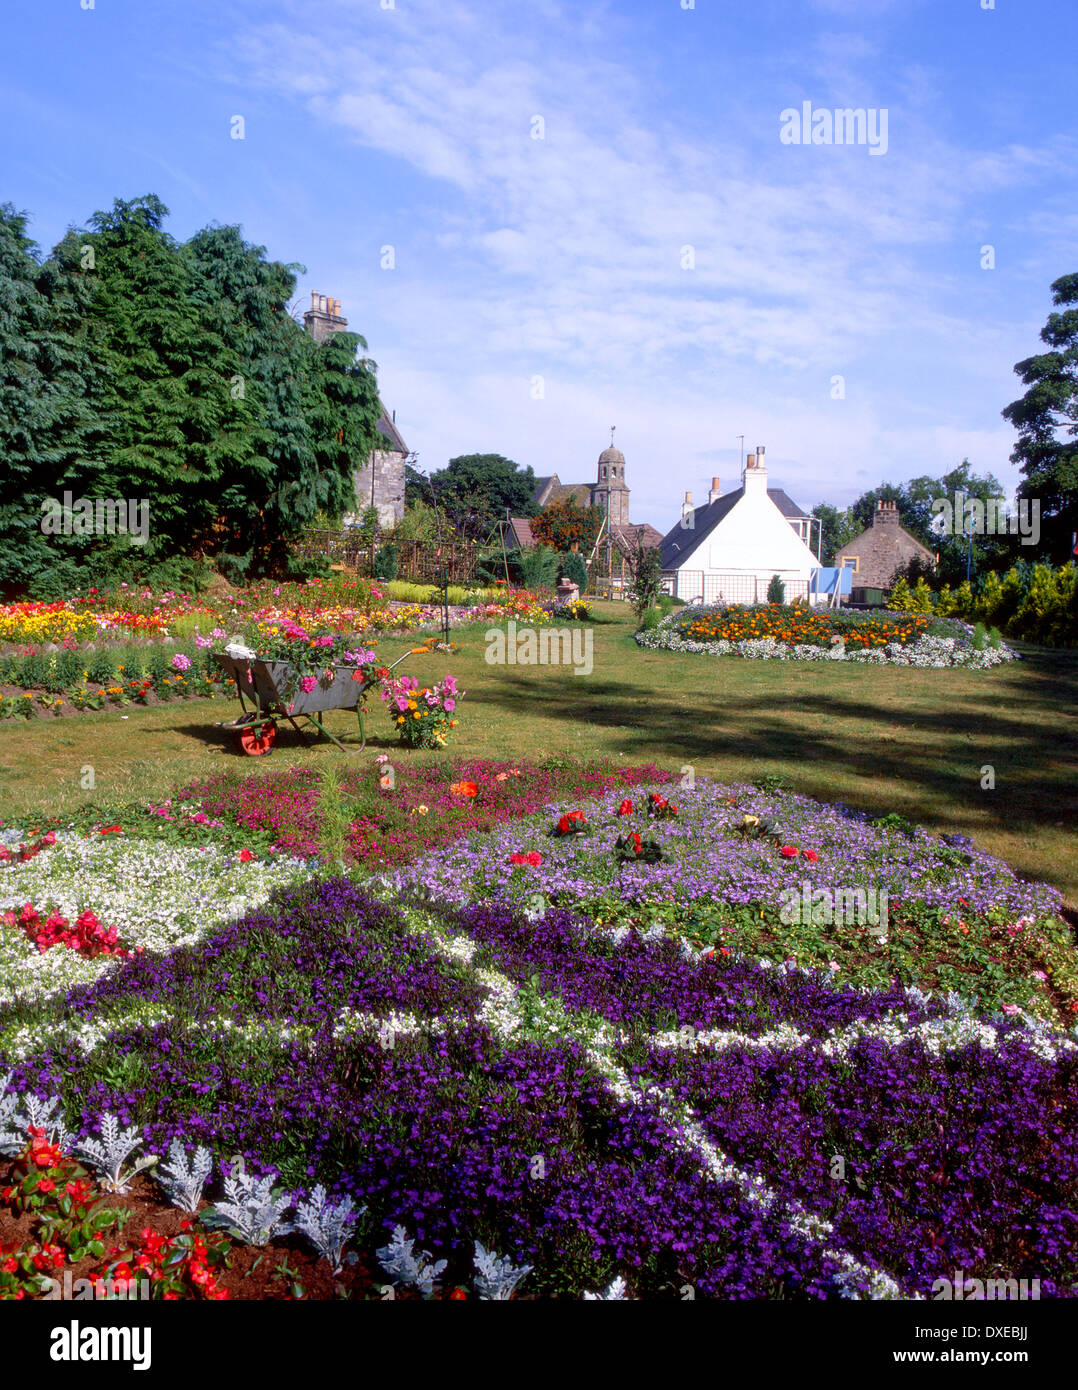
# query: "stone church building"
380,480
619,537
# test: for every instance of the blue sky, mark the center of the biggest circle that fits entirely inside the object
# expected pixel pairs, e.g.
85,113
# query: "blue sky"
563,258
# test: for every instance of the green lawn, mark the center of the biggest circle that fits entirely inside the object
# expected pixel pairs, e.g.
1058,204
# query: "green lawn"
883,738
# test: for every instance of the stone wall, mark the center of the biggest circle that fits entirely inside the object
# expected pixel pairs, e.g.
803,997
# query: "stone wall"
388,486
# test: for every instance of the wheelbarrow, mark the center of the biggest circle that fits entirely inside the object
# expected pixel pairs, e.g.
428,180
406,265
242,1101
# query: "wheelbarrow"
269,691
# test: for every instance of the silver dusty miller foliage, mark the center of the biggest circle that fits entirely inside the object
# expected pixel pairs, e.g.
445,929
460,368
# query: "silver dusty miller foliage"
496,1276
182,1178
403,1267
107,1154
614,1294
19,1113
327,1225
252,1210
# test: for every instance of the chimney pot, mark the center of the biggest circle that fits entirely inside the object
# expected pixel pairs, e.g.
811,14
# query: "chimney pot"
688,499
314,300
750,462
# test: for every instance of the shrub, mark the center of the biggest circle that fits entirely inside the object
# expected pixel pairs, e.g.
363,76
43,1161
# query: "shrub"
776,590
385,562
571,565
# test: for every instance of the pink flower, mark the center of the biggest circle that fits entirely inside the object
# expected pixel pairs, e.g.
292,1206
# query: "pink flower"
450,705
308,683
180,662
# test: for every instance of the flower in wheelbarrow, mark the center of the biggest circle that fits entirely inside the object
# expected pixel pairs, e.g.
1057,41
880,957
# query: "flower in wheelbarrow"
308,683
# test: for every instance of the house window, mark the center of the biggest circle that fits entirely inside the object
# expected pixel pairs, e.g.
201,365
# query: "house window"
851,562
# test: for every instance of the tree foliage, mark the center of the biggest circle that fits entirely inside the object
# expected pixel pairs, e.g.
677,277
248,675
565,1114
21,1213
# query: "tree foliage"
1046,419
476,490
565,524
137,367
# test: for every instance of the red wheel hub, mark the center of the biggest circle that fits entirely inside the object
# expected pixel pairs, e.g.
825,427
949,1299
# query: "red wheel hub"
257,739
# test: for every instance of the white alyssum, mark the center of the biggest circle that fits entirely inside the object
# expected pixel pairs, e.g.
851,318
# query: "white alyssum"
157,895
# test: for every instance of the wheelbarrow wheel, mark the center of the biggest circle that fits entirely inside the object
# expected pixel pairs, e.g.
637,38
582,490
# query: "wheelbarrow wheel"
257,740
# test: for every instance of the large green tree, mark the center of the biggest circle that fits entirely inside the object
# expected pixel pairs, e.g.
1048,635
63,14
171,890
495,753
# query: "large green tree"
1046,419
137,367
476,490
51,419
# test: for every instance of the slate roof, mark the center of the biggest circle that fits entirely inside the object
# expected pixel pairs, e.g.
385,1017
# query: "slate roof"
394,443
680,541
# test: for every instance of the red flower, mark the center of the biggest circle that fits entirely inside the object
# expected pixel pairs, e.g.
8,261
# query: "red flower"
517,859
10,1265
464,789
788,852
657,800
563,826
458,1293
46,1185
577,815
810,855
625,809
534,858
245,855
672,809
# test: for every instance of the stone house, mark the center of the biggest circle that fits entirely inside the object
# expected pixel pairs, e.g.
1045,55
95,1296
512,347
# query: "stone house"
379,480
878,554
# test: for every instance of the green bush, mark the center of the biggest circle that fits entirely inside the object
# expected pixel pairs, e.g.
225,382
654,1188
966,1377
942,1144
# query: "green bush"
300,568
776,590
385,562
571,566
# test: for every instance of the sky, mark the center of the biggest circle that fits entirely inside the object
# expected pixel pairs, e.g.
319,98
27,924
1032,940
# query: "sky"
550,218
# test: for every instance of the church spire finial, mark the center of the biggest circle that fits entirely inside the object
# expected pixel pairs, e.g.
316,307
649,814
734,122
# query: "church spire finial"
612,428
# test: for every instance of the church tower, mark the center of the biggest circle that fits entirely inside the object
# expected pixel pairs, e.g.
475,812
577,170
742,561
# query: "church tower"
609,490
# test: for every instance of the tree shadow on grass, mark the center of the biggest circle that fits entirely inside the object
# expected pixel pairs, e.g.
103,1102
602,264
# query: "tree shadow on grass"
826,730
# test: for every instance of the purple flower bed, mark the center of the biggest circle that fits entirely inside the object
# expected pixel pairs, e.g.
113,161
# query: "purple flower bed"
963,1161
706,858
654,985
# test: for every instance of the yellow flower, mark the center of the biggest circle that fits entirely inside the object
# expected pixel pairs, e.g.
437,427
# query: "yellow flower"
416,715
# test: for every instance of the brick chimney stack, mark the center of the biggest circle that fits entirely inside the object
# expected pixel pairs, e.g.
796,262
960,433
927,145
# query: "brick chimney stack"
886,514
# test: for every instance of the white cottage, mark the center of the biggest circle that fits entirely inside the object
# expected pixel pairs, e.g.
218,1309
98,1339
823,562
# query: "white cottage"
727,550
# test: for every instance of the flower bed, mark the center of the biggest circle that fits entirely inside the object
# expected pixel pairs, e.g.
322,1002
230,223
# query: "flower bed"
779,632
957,918
391,819
462,1078
551,1035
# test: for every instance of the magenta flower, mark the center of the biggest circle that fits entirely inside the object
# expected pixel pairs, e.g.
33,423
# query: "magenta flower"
308,683
181,662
